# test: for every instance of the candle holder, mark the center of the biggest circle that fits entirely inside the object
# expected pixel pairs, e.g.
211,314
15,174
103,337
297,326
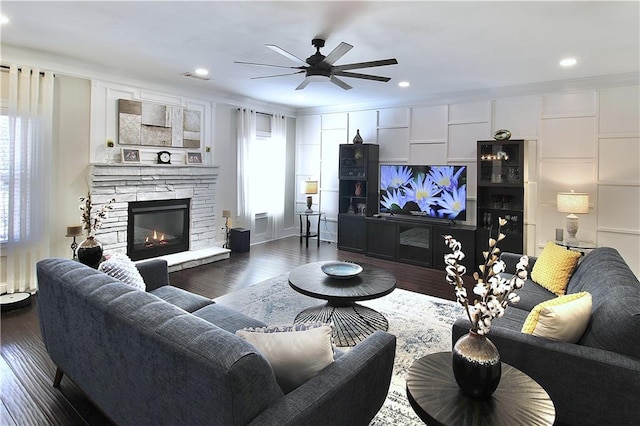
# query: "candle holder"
74,231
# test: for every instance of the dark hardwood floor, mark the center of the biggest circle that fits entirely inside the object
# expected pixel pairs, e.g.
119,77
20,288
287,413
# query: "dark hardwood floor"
26,372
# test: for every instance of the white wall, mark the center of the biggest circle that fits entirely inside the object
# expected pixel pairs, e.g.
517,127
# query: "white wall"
587,140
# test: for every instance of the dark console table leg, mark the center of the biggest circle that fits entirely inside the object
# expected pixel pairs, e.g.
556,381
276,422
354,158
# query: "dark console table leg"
300,216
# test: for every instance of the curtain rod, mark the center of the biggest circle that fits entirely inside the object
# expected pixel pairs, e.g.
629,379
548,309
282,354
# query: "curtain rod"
6,67
264,113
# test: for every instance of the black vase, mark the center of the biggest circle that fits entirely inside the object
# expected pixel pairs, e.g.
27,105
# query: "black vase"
476,365
357,138
90,252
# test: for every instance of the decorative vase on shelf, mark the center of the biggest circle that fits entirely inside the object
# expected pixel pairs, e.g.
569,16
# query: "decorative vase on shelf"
476,365
357,138
90,252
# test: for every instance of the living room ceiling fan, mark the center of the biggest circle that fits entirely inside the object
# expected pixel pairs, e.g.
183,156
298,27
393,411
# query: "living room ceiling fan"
320,68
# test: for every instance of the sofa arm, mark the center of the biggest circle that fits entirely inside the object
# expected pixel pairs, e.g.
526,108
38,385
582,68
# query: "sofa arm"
348,392
155,273
587,385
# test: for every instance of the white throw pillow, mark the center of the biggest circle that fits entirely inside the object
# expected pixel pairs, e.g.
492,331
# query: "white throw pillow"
564,318
119,266
296,353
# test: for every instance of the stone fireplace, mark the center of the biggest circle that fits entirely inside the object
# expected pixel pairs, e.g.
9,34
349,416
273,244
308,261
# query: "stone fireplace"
157,227
192,185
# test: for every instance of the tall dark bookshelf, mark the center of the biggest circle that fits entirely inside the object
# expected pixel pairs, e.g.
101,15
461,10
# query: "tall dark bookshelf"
501,193
357,193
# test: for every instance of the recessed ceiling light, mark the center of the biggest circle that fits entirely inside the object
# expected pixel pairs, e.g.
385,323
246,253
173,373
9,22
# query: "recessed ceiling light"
568,62
202,71
404,84
4,19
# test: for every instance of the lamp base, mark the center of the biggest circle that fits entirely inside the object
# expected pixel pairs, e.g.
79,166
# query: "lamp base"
572,227
309,204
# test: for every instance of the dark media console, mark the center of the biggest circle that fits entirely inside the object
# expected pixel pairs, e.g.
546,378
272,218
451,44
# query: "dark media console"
418,242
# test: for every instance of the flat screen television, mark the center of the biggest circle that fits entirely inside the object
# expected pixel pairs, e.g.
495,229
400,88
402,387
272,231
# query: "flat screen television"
438,192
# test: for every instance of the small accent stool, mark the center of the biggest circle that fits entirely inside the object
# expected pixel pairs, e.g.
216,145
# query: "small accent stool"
239,240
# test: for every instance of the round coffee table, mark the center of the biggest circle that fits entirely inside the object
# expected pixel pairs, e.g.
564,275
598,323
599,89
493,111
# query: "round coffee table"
435,397
352,322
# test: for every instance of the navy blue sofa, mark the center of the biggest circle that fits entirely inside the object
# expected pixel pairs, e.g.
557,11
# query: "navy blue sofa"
595,381
169,357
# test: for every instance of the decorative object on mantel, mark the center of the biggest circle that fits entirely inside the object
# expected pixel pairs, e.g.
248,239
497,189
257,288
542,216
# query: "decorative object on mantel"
145,123
109,151
164,157
90,250
502,135
572,203
310,188
194,158
130,155
357,138
227,215
74,231
476,361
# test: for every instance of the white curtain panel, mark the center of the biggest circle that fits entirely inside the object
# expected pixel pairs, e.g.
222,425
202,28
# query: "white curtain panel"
246,135
30,174
277,176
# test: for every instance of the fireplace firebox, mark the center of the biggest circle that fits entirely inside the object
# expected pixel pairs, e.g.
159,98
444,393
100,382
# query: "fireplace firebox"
157,227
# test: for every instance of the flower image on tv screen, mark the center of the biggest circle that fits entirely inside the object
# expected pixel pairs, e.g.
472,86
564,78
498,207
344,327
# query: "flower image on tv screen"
424,191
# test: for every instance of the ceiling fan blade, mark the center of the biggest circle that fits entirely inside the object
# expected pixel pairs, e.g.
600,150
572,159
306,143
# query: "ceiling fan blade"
283,52
265,65
277,75
363,76
335,54
369,64
335,80
304,83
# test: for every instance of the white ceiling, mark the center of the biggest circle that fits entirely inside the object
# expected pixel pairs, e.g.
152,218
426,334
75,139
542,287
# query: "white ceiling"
442,47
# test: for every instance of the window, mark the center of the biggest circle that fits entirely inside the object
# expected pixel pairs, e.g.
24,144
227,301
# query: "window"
4,178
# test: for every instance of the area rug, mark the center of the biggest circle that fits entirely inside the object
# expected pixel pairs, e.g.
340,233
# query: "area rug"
421,324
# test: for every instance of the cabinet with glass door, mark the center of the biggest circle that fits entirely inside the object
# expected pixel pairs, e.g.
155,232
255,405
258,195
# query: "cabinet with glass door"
501,193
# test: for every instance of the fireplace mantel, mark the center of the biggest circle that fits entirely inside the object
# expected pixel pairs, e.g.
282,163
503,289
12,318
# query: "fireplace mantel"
143,182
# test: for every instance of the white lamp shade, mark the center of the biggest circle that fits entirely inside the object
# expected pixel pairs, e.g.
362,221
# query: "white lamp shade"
311,187
573,202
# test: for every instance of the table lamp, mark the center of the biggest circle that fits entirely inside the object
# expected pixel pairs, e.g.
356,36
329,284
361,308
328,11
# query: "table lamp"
74,231
310,187
226,214
572,203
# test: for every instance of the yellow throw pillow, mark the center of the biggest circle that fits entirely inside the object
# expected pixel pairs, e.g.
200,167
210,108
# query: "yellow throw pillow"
564,318
554,267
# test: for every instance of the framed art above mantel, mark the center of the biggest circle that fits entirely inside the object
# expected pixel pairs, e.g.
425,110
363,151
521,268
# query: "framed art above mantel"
150,124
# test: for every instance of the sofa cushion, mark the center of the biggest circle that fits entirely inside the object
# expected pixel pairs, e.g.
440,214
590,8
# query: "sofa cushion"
119,266
564,318
183,299
531,294
226,318
295,354
554,267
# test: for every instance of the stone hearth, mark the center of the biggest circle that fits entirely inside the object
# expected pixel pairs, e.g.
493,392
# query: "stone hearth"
144,182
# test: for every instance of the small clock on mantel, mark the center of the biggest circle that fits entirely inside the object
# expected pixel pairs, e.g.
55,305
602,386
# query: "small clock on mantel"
164,157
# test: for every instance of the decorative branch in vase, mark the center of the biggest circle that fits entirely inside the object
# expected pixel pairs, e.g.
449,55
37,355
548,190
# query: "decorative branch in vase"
476,361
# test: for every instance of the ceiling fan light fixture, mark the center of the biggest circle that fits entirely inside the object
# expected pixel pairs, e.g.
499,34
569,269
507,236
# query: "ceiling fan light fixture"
404,84
201,71
568,62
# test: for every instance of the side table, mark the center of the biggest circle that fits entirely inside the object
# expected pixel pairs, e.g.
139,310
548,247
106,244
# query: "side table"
579,246
306,234
436,398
